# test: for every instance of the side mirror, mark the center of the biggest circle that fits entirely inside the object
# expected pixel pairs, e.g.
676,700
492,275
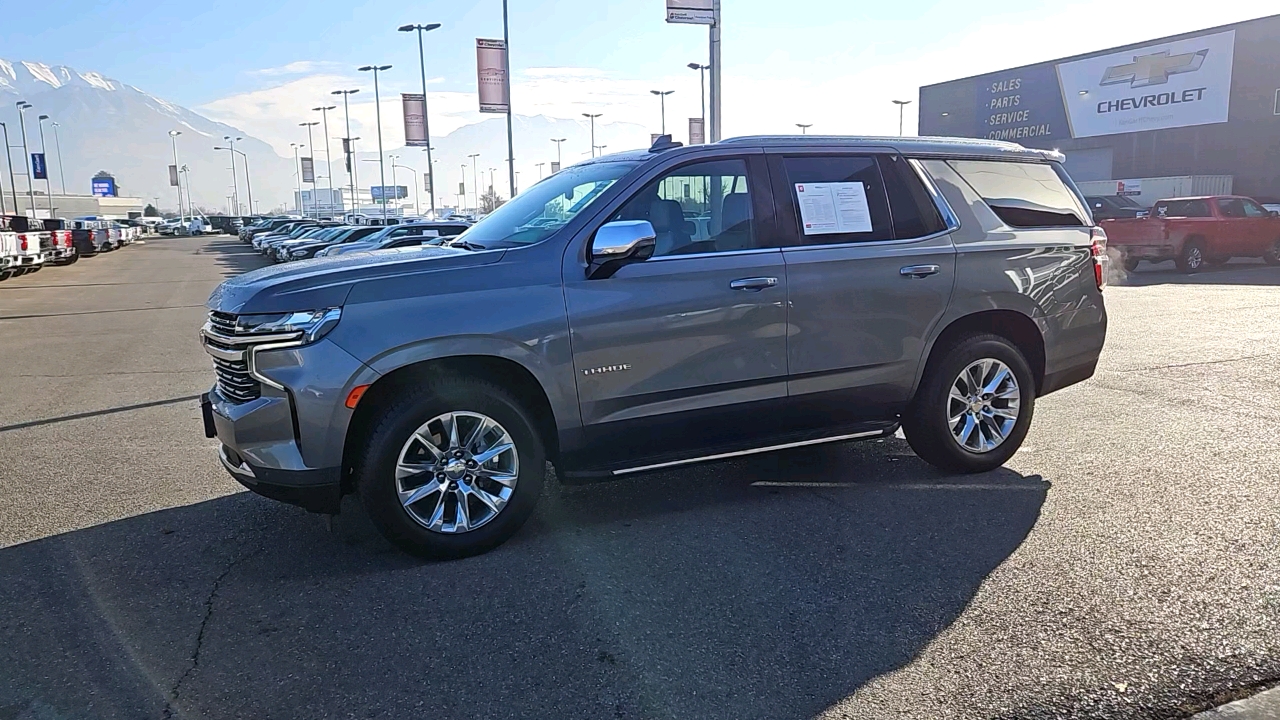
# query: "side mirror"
620,243
1274,213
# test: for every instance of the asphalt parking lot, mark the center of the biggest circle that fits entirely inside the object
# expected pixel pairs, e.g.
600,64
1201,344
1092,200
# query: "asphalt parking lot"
1125,564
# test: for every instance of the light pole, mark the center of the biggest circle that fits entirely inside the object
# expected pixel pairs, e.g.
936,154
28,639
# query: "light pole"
57,146
395,184
377,105
662,96
426,123
235,182
190,208
48,186
351,166
475,176
13,189
311,143
248,185
702,92
328,160
23,106
539,166
902,104
462,201
417,203
297,172
506,62
601,148
491,170
173,136
804,127
559,161
713,59
591,117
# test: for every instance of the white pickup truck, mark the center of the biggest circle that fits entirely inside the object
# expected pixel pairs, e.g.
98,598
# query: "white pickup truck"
8,254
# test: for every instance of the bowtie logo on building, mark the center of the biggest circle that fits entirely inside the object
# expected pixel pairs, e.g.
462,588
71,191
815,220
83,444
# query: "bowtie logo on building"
1153,69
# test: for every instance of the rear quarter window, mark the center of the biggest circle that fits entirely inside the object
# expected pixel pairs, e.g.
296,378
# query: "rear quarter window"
1182,208
1023,195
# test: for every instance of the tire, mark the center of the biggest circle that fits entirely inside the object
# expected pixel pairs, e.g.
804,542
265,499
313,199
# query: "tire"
1131,264
927,422
1272,255
392,437
1192,257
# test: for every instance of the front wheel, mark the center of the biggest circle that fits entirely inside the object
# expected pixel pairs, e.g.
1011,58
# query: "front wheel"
1272,255
973,407
452,468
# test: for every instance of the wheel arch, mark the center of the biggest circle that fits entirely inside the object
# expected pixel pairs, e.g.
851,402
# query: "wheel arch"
1014,326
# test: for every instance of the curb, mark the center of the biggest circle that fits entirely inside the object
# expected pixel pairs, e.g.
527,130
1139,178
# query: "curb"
1263,706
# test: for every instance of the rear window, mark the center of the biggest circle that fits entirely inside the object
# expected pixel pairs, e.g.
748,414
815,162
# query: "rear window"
839,198
914,212
1023,195
1182,208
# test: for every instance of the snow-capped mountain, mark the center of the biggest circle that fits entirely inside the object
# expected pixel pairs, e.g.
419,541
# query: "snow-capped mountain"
105,124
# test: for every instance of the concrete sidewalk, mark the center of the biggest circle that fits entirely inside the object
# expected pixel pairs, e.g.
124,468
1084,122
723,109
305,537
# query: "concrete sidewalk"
1263,706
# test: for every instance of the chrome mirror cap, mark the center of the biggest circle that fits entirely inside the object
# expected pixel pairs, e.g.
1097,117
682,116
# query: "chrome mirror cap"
623,238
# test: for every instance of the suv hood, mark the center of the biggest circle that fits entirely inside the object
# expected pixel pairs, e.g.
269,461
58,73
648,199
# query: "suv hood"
326,282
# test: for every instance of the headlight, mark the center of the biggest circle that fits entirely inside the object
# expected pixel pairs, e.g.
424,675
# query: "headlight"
313,324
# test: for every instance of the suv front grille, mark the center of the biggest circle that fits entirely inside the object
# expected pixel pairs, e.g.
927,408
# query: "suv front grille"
234,381
230,359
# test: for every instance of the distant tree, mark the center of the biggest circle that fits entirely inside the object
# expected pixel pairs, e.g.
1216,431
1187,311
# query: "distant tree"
104,174
490,201
150,211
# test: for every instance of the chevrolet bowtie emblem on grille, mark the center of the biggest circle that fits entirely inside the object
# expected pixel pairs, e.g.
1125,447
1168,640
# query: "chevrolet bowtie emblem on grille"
1153,69
607,369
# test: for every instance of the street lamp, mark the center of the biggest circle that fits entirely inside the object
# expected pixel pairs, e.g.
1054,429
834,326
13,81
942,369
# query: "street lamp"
235,183
351,167
297,173
247,182
662,96
901,105
804,127
702,91
173,136
426,124
48,186
539,166
557,141
57,145
377,98
13,188
311,143
23,106
475,176
417,204
601,148
592,117
328,159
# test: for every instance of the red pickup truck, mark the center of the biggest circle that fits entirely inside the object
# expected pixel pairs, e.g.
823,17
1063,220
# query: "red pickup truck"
1193,231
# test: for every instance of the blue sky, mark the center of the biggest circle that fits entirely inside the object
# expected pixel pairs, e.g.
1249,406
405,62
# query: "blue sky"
834,63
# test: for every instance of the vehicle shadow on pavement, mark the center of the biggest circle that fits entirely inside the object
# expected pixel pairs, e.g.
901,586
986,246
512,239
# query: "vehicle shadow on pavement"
700,593
1241,271
232,256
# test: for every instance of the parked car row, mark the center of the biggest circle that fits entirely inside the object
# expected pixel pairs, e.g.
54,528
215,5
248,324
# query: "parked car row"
1196,231
29,244
289,239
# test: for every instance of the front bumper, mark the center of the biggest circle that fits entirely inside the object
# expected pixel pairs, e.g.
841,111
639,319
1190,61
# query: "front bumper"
317,491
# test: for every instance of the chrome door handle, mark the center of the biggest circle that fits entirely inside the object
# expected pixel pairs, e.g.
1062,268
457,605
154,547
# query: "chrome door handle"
755,284
919,271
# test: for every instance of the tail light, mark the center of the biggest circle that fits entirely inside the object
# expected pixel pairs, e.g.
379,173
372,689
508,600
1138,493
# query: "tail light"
1098,249
24,242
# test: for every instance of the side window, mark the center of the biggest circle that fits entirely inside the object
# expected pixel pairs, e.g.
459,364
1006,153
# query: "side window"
838,199
1231,207
697,208
1252,209
1023,195
914,212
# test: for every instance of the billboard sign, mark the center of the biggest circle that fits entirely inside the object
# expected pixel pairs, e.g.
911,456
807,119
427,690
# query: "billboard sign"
379,193
308,170
38,169
104,187
1173,84
415,119
691,12
491,71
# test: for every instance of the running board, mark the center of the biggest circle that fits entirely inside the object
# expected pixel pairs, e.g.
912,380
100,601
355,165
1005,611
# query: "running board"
756,451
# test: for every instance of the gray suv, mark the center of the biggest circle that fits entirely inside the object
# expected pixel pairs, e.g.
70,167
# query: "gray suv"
652,309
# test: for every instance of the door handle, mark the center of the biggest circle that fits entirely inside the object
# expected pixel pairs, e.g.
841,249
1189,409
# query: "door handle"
755,284
918,271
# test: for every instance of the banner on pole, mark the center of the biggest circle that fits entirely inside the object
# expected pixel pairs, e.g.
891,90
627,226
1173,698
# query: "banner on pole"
346,145
697,132
462,188
555,166
173,176
308,170
38,169
691,12
491,72
415,119
426,183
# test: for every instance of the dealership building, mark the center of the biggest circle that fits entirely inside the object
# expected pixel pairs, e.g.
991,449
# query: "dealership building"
1198,106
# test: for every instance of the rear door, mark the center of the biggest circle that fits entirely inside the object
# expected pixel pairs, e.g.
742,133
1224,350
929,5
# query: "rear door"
870,268
1233,233
1262,227
684,354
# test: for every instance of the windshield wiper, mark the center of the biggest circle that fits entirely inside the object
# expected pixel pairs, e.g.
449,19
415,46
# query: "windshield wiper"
464,244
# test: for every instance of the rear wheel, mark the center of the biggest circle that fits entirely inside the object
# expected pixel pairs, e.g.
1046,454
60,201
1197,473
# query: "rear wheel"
1192,257
1131,264
973,407
1272,255
452,468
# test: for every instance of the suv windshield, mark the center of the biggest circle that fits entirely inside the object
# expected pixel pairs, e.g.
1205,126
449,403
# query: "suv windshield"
537,213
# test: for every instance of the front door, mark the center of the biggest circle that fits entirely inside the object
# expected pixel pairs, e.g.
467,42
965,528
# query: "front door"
673,354
870,269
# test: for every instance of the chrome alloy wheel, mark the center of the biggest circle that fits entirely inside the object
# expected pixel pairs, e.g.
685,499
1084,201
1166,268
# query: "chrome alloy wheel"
982,407
457,472
1195,258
